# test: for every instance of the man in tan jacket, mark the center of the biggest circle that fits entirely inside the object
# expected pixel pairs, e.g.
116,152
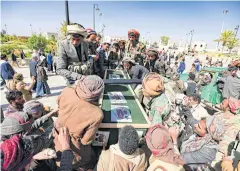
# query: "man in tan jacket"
125,155
78,111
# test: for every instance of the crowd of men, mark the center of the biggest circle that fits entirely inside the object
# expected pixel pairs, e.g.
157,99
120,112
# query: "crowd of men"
182,136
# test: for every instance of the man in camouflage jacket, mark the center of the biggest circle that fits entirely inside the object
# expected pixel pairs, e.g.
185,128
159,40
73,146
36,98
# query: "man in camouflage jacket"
135,49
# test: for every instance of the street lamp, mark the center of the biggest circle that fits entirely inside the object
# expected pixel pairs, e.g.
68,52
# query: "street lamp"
224,12
191,32
95,7
236,32
31,29
67,12
186,40
148,37
101,21
6,28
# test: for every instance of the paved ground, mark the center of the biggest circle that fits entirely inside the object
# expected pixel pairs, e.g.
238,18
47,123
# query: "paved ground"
55,82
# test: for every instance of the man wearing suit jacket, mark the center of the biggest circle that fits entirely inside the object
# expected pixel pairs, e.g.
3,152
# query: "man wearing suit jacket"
72,61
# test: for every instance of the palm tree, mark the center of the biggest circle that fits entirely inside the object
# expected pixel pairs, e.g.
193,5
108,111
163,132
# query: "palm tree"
233,42
225,37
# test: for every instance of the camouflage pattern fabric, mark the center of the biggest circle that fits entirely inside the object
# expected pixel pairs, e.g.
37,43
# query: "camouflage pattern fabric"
136,52
159,109
232,127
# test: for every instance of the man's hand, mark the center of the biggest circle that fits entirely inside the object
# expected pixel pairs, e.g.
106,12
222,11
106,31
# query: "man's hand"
33,79
174,132
64,139
45,154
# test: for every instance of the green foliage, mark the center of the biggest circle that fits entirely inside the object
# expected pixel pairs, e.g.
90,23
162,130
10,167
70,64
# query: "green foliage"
37,42
233,43
225,38
164,40
63,29
7,49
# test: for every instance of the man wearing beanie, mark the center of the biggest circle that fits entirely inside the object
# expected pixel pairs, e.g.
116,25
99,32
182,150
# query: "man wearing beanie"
190,85
154,64
125,155
72,62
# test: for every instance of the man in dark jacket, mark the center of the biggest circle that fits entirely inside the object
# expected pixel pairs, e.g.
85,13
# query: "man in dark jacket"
154,64
102,61
33,68
6,70
135,71
72,61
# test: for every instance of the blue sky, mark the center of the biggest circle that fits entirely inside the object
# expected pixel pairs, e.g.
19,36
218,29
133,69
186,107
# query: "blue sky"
173,19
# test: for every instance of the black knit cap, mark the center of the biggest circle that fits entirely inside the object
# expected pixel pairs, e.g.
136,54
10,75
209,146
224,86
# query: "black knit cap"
128,140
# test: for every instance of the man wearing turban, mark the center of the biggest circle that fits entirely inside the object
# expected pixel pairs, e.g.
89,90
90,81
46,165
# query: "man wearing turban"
72,62
153,88
135,49
80,113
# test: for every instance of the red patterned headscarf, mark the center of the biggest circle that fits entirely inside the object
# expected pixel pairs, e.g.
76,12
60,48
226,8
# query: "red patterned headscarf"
161,145
12,151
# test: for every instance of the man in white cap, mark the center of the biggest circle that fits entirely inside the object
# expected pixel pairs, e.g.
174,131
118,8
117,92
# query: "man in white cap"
72,61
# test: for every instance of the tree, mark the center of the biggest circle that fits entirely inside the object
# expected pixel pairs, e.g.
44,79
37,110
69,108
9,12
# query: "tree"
164,40
63,29
37,42
7,49
225,37
233,42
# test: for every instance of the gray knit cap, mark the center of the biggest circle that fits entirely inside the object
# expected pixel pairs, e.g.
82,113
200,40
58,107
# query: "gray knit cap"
33,107
15,123
128,140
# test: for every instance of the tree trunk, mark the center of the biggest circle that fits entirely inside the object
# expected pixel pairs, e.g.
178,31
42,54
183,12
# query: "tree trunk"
222,48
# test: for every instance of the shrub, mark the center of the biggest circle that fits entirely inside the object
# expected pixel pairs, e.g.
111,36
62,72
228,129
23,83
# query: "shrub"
37,42
7,49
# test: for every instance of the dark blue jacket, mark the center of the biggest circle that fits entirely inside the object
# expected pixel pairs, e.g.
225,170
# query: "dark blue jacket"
181,67
101,62
49,59
6,70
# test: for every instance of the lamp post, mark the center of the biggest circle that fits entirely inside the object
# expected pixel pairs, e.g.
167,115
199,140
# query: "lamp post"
224,12
67,12
6,28
31,29
236,32
95,7
148,38
190,44
186,43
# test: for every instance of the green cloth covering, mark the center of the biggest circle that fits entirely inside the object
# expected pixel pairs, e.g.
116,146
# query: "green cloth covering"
136,113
